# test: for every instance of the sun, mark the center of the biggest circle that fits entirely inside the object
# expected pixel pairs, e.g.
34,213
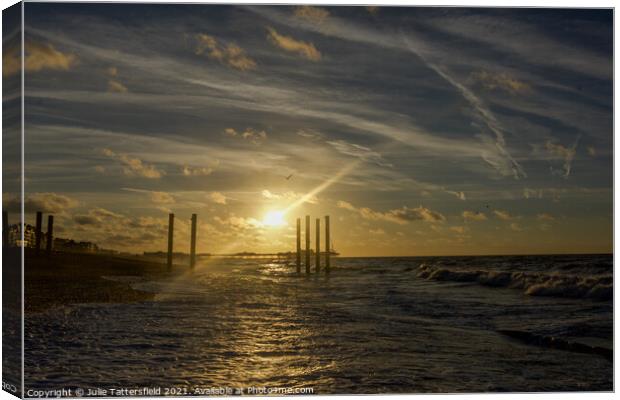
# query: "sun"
274,219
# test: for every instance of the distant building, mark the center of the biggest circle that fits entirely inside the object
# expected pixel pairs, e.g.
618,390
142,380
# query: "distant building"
71,246
58,244
15,236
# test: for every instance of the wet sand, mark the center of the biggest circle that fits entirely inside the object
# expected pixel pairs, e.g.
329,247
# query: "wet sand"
64,279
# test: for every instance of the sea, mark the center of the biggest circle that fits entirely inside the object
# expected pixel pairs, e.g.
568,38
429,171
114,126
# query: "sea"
372,325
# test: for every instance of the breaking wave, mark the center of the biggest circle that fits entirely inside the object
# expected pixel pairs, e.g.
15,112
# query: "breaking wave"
597,287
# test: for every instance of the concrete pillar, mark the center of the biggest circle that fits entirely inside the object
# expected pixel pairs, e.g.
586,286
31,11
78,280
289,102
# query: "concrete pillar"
192,249
50,234
38,231
170,236
298,245
317,265
328,248
307,244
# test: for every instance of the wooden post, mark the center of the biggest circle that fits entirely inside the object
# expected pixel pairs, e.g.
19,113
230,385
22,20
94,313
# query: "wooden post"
192,250
327,245
37,232
298,245
50,234
317,265
307,244
5,229
170,235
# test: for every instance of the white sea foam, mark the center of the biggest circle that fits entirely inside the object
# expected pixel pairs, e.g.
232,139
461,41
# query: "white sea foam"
598,287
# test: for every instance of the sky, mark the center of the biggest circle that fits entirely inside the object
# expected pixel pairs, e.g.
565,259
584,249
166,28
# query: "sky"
420,131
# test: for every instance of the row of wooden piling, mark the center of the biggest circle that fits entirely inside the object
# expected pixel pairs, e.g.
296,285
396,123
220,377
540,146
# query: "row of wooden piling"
50,235
192,257
38,232
192,254
317,263
192,247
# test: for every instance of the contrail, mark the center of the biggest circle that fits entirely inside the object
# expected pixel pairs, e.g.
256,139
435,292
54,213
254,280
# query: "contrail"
483,113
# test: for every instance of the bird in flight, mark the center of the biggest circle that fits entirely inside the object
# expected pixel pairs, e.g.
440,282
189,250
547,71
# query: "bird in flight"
288,177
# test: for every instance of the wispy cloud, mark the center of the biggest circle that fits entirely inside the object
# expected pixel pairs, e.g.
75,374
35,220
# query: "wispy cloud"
239,223
278,100
251,135
362,152
133,166
230,54
504,215
11,60
406,128
196,171
116,87
400,216
217,197
119,231
96,216
493,150
312,14
532,193
474,215
458,229
156,197
458,195
45,202
496,153
533,47
39,56
499,81
516,227
304,49
565,153
545,217
342,146
310,134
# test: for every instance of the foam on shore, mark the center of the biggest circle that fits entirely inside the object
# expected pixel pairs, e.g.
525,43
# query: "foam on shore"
598,287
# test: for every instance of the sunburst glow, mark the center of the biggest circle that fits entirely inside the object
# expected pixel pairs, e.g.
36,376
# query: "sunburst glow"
274,219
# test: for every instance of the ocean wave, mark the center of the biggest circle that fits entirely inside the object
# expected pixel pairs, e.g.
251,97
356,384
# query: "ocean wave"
556,343
598,287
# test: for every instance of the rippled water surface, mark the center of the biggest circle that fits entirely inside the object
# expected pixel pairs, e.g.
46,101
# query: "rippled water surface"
375,325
